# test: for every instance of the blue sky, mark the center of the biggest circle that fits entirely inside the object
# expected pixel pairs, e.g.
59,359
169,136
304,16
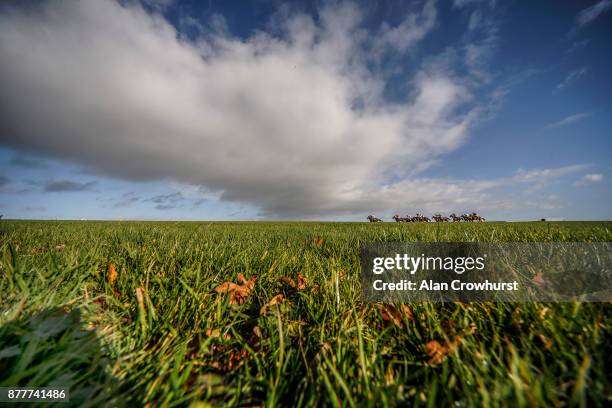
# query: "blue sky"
308,110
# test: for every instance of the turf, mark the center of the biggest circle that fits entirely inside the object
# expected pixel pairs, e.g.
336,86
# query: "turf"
158,333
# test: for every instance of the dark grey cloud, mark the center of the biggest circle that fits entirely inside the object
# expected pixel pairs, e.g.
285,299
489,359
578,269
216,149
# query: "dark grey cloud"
199,202
4,181
127,200
164,207
61,186
167,201
20,160
294,123
167,198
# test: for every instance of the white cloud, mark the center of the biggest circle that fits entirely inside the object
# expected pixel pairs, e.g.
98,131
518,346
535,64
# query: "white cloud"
571,78
466,3
537,175
296,125
589,14
568,120
537,179
475,20
576,45
413,29
589,179
158,4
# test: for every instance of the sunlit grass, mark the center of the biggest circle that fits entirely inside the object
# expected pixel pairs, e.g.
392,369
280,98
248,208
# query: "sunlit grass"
182,342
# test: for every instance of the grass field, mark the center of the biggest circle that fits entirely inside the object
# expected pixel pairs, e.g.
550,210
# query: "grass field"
125,313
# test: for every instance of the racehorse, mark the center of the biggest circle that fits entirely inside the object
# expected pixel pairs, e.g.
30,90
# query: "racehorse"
439,218
397,218
420,218
455,218
476,217
372,218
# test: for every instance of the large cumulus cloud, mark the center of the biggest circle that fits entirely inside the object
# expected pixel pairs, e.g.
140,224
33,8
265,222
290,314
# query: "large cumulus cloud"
294,123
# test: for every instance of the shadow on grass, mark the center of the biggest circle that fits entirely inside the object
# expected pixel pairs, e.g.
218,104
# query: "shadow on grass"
51,348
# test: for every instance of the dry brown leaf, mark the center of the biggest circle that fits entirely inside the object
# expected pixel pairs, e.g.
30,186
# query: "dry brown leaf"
406,310
318,242
539,279
288,281
392,314
100,300
437,352
302,282
216,333
213,333
547,342
111,274
242,280
236,357
276,300
238,293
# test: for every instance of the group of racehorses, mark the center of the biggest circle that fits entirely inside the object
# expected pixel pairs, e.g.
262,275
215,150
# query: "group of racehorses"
472,217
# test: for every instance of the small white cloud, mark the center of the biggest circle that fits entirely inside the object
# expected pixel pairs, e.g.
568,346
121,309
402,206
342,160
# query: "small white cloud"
568,120
577,45
413,29
538,175
467,3
475,20
571,78
589,179
589,14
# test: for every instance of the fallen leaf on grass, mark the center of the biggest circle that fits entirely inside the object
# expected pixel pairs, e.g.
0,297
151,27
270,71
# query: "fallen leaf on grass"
215,333
318,242
238,293
437,352
276,300
111,274
288,281
392,314
224,361
60,247
301,284
100,300
539,279
547,342
236,357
